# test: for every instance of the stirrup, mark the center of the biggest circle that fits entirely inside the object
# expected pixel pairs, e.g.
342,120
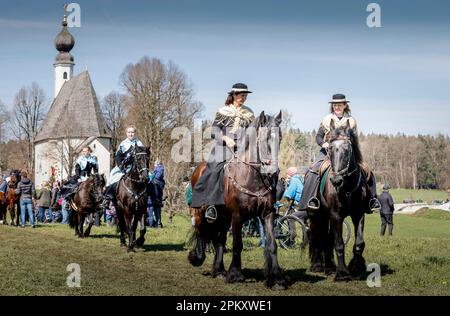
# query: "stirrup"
211,214
374,205
313,203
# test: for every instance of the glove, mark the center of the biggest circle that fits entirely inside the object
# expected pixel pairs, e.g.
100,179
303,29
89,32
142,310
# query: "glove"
230,142
325,145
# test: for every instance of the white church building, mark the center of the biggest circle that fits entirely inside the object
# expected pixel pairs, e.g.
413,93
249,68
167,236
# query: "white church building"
73,121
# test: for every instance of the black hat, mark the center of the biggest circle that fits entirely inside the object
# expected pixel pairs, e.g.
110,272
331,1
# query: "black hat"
386,187
239,88
338,98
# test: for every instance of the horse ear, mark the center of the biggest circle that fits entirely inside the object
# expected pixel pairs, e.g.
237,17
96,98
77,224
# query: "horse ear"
262,119
278,119
332,125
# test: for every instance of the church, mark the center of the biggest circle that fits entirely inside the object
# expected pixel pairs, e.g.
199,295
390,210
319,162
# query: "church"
73,121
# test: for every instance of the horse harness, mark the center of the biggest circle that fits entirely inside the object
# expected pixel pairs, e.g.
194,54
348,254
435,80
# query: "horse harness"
258,194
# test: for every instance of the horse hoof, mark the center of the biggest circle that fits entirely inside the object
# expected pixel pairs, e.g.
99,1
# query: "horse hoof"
140,242
122,245
317,268
235,276
342,276
357,266
130,250
219,274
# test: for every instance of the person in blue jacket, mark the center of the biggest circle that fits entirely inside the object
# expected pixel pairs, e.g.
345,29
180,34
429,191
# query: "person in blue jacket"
157,184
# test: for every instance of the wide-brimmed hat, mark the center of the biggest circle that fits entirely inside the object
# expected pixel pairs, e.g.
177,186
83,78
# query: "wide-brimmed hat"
239,88
339,98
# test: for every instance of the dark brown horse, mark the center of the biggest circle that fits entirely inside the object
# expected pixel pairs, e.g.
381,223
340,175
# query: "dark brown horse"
346,193
131,198
86,202
13,199
249,192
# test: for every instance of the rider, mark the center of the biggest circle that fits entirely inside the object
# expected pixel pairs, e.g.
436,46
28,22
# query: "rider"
85,165
340,114
228,126
121,164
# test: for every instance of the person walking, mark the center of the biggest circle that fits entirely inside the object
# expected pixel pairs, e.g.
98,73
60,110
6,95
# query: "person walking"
387,211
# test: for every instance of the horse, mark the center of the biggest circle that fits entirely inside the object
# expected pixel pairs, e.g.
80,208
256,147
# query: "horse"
85,202
249,192
131,198
13,199
346,193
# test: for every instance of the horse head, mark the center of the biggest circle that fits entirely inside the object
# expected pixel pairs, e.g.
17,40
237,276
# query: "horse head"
263,142
343,152
140,160
99,184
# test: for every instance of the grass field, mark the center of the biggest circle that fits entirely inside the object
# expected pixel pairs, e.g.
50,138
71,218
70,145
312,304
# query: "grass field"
425,195
34,261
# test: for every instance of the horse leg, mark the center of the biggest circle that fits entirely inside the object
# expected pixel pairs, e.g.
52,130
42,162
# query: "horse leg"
330,266
140,241
122,227
87,232
81,218
315,249
358,264
132,234
272,270
234,272
219,242
342,273
18,212
11,213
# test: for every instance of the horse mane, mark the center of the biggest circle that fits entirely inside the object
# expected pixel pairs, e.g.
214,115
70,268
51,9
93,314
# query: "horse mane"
353,136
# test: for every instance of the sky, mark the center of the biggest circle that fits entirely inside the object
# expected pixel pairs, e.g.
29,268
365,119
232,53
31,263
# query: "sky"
293,55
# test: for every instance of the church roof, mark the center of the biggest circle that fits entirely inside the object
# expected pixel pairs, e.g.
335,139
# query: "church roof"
74,113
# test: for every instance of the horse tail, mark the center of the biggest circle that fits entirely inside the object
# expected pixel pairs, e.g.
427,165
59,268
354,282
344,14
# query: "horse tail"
73,218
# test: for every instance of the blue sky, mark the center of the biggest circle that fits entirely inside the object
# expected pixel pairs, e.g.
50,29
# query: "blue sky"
293,54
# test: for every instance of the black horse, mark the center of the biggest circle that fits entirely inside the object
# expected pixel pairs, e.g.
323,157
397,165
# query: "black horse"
131,197
346,193
249,192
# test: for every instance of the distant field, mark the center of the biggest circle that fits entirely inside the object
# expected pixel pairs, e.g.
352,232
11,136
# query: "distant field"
426,195
34,261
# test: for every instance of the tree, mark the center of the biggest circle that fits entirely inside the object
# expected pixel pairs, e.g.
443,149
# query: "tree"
28,112
160,98
113,107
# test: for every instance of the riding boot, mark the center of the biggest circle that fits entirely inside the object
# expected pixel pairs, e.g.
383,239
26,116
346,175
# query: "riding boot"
374,203
211,214
109,195
309,196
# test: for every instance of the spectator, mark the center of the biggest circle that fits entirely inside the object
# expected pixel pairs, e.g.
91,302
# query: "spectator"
43,201
27,193
155,200
387,211
54,204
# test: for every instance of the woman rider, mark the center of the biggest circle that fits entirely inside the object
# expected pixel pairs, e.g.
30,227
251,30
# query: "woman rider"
340,114
228,129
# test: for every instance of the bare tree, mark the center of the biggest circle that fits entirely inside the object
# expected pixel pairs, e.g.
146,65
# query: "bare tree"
161,98
4,118
28,112
114,111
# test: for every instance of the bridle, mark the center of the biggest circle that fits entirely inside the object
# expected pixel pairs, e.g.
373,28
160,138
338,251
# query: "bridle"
136,196
345,172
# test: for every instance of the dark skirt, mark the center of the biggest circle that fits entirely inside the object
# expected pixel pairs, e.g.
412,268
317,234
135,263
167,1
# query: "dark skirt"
209,190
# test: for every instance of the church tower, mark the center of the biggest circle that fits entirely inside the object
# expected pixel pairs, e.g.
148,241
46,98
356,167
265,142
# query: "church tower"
64,43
